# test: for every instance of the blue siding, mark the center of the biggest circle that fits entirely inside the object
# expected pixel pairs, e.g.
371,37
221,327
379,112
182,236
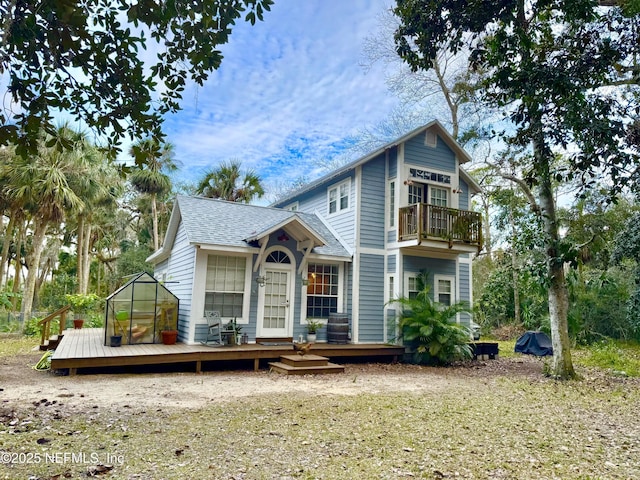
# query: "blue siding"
465,290
464,196
435,266
417,153
391,263
181,266
392,236
393,162
372,206
317,201
371,321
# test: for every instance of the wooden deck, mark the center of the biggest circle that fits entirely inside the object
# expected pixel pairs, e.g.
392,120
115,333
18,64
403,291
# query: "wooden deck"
85,349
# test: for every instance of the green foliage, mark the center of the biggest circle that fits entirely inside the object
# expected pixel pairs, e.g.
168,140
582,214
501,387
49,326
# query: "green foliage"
430,330
313,325
229,183
31,327
84,58
495,305
620,357
82,303
597,305
52,294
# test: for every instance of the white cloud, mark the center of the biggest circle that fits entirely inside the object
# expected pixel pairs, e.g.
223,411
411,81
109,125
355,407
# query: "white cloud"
289,92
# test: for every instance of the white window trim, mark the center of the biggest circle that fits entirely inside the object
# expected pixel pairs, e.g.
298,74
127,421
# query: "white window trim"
436,281
336,187
389,295
292,207
405,286
246,299
431,133
392,200
303,296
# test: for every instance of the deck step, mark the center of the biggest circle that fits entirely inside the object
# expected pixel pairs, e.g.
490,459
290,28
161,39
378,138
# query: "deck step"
52,343
305,364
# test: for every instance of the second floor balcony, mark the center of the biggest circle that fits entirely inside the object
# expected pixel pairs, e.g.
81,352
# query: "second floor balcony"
422,221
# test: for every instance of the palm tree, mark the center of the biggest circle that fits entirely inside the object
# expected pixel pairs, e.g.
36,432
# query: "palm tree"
228,183
149,178
41,184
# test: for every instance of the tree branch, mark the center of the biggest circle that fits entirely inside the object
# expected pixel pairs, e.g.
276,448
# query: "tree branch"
525,189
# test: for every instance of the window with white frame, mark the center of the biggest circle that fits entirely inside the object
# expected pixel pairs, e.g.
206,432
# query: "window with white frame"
322,290
444,291
392,203
412,286
438,196
415,193
339,197
292,207
391,288
224,285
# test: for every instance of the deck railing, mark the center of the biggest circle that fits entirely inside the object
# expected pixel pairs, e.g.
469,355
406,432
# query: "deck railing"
429,222
45,323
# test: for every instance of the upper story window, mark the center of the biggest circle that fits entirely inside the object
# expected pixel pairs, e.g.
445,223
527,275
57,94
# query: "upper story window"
339,197
438,196
392,203
292,207
415,193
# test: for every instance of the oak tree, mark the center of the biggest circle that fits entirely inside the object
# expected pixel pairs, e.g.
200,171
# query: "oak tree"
565,75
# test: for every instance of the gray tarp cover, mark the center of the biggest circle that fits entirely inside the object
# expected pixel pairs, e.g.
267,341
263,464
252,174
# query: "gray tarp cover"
534,343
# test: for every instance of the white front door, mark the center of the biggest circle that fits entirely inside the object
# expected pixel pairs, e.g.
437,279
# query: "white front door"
276,305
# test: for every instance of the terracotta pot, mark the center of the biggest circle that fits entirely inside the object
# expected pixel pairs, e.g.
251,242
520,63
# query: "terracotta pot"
78,323
169,337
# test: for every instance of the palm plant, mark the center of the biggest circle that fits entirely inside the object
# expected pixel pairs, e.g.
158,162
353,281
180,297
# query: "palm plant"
429,329
153,160
228,183
41,185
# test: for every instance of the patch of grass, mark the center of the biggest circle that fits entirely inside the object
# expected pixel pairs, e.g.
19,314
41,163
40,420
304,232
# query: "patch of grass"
610,355
486,430
11,344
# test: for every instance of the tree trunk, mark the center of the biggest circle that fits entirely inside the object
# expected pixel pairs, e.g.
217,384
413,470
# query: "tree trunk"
18,265
86,259
558,295
6,245
79,250
154,215
514,271
30,283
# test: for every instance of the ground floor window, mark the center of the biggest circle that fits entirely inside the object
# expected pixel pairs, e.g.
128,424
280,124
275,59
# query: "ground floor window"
444,292
322,290
224,286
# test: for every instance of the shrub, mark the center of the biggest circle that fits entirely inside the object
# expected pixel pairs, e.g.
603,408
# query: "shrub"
427,328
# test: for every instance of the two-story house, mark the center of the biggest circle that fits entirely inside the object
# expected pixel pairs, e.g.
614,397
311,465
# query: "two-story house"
347,243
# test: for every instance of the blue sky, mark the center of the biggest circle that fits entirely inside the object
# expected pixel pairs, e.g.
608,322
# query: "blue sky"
290,93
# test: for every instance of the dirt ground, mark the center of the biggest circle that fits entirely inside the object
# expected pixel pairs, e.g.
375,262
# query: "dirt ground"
21,383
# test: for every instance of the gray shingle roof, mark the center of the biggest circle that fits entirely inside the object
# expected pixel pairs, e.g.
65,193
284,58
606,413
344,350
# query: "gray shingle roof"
217,222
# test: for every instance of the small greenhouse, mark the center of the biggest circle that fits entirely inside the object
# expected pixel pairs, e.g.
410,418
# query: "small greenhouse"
139,311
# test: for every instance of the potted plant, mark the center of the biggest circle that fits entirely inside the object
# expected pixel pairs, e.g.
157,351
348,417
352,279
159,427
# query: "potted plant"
312,329
233,332
81,304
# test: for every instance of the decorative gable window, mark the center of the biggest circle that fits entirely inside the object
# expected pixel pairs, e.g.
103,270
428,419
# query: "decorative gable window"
339,197
225,284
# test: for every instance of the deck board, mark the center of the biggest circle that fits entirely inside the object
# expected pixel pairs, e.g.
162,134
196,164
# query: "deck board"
85,348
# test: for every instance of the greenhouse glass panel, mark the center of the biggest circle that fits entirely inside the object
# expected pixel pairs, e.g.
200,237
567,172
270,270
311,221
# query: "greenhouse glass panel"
139,311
